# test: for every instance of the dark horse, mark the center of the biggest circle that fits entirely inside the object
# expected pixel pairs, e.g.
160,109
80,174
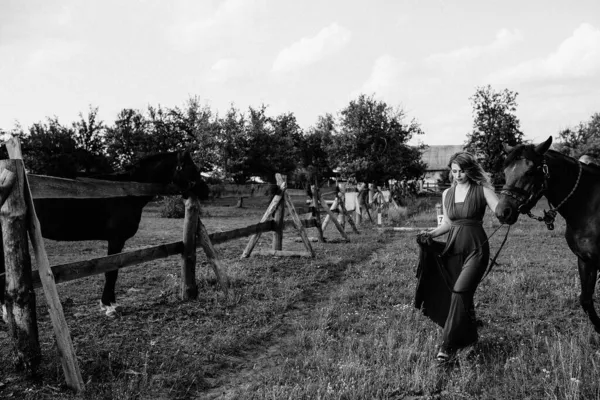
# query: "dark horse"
116,219
573,190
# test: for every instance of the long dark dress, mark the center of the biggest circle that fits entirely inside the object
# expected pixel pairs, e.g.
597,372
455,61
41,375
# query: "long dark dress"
448,277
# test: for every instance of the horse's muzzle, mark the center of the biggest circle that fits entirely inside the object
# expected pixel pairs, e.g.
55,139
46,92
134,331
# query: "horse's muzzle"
506,214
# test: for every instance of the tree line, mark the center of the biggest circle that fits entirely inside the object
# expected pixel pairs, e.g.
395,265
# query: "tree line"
367,140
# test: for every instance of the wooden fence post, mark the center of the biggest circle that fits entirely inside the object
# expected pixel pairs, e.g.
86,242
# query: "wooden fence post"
358,206
278,216
268,214
213,257
64,343
341,197
189,287
317,215
334,207
333,218
19,294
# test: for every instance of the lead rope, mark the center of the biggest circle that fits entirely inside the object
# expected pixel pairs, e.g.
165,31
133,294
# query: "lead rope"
493,262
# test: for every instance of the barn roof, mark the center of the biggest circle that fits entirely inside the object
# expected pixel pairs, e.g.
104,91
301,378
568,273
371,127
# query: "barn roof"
436,157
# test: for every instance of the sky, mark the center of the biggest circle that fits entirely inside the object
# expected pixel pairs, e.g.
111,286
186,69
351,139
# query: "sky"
425,57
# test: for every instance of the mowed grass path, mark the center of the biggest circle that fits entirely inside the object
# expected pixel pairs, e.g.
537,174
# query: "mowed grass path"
340,326
365,340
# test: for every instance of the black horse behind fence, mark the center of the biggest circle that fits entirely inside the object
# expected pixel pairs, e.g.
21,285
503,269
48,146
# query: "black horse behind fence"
115,219
573,190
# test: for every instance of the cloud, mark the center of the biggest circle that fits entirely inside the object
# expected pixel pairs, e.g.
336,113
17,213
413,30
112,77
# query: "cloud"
226,69
384,75
456,59
194,26
52,52
309,50
576,57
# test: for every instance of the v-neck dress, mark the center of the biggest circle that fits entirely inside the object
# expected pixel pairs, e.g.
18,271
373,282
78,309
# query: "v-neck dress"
449,272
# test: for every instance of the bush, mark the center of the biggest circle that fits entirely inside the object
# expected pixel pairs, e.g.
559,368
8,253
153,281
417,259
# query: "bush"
172,207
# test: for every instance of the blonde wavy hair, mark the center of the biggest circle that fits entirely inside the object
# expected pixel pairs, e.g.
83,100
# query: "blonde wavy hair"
469,164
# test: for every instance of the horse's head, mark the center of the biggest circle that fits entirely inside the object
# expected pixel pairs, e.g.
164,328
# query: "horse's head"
526,175
188,178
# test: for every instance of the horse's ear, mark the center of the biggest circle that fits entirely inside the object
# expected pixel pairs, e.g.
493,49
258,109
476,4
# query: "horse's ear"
507,148
542,148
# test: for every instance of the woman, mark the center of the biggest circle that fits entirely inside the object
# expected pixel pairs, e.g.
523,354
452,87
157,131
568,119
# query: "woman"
466,253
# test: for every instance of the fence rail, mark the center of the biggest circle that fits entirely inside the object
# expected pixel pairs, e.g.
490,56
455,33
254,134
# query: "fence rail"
94,266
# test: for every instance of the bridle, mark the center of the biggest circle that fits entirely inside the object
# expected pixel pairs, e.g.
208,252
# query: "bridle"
527,199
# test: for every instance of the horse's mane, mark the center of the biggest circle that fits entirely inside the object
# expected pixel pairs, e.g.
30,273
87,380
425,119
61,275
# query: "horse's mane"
522,151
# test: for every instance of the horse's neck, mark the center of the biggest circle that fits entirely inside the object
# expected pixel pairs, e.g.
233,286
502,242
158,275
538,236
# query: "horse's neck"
563,177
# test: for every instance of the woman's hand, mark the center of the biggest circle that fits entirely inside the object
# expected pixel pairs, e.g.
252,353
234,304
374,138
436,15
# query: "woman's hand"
425,234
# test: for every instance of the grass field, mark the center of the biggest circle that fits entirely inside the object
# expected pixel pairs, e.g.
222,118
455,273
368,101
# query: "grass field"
339,326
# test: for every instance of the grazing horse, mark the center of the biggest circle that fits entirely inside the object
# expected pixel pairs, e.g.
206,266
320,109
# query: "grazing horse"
115,219
573,190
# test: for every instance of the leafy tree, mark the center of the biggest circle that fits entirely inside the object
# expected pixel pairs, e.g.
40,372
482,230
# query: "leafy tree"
89,132
49,149
163,131
372,143
494,123
197,130
581,139
273,143
128,140
89,154
314,149
286,142
234,146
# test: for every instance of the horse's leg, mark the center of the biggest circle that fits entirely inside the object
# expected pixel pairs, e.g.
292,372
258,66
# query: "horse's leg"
109,302
588,271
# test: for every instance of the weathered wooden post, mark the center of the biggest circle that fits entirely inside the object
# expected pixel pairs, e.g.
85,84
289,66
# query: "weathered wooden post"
278,216
64,343
341,197
19,294
334,207
380,201
213,257
189,287
358,206
334,219
267,215
316,204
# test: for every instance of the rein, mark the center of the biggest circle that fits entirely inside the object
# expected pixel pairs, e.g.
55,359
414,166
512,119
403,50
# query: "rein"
527,203
493,262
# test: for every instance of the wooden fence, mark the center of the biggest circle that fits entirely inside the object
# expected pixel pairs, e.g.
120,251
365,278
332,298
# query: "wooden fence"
17,191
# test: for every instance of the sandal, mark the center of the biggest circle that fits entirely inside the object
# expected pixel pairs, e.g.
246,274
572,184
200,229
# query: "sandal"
442,357
445,360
